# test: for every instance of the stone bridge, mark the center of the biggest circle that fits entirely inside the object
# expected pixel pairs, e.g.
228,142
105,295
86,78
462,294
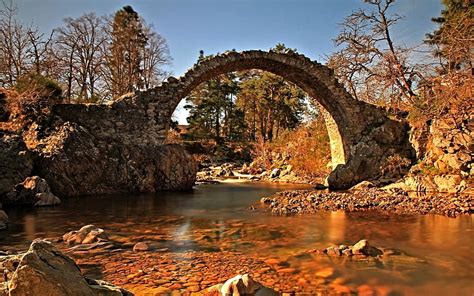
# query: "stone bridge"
362,136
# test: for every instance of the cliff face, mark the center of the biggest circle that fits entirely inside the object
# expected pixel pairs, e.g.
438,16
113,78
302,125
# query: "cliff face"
74,160
445,151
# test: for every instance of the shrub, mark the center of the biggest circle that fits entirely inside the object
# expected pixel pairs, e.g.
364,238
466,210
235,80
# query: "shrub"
306,149
37,87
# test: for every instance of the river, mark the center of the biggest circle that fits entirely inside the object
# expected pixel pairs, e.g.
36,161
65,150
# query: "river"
213,218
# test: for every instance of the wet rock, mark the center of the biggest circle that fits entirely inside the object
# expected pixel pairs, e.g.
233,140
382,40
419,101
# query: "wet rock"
44,271
140,247
240,285
325,273
86,235
363,247
103,288
319,186
33,191
394,200
333,251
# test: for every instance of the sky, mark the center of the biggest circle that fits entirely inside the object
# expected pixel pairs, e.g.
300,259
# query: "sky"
219,25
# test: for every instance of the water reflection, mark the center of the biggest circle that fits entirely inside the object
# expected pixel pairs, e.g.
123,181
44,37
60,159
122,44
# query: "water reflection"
214,217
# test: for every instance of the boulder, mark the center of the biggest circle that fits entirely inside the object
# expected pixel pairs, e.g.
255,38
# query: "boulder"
240,285
75,163
32,191
448,183
15,162
86,235
363,247
44,271
275,173
140,247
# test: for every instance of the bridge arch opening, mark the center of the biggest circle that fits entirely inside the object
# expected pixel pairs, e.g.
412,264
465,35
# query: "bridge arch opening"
361,135
291,71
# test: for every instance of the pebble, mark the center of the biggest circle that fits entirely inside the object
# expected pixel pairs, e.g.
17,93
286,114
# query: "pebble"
140,247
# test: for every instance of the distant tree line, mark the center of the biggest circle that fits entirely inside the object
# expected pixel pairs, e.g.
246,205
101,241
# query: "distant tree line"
93,58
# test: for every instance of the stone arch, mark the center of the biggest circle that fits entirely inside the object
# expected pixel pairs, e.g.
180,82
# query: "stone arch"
309,75
362,136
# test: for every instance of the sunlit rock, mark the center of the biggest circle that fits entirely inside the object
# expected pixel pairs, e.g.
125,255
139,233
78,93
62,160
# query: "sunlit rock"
44,271
32,191
240,285
140,247
363,247
86,235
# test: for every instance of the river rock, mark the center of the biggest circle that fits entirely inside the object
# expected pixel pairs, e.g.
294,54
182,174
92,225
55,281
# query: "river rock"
240,285
362,186
140,247
32,191
363,247
275,173
86,235
44,271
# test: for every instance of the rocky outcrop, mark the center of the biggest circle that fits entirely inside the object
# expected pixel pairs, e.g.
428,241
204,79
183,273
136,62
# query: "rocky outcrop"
75,162
15,161
445,148
44,271
33,191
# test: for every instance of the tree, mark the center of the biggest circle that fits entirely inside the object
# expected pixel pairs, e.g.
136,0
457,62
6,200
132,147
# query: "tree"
371,66
212,107
155,55
269,104
78,51
454,38
135,54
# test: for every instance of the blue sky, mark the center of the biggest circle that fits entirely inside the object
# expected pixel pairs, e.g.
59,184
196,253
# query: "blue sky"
219,25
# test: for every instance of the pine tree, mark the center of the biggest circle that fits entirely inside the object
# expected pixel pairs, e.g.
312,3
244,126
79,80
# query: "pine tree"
454,37
126,51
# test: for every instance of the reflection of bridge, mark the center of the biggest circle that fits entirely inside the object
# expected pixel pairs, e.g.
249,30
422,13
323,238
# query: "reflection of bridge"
361,135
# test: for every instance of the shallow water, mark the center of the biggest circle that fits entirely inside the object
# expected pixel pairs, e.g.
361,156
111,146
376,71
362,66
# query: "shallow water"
439,249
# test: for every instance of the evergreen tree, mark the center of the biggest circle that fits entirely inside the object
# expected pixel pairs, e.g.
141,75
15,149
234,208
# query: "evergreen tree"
453,39
126,51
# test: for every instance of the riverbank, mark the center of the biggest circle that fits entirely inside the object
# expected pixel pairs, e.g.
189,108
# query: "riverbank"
369,199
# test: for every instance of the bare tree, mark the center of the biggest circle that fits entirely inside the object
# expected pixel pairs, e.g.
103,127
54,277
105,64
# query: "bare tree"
14,45
23,48
78,48
371,66
155,56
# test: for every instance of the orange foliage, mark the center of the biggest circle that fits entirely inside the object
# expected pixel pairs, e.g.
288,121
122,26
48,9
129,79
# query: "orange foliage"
306,149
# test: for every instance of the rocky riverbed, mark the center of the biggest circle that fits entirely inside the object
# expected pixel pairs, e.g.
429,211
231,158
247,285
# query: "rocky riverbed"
398,201
155,270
